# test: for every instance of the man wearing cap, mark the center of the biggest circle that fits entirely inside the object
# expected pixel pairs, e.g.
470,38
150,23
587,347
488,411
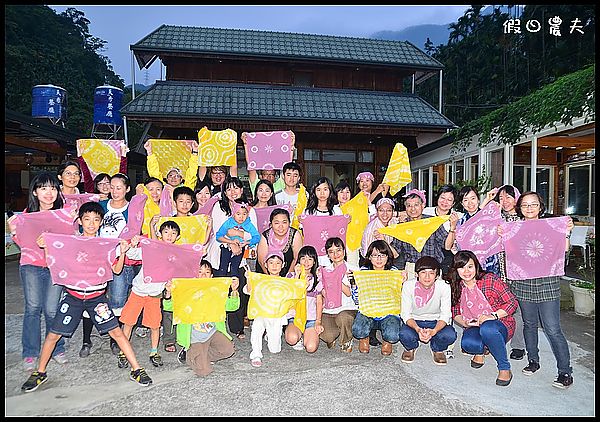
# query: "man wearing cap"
414,203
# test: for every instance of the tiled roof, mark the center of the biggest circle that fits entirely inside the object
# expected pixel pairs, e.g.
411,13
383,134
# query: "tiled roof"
299,104
284,45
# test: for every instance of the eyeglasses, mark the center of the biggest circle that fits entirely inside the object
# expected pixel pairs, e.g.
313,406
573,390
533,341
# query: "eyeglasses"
68,173
103,183
530,205
378,256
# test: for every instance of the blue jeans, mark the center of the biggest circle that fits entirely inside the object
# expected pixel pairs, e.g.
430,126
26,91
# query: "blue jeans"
491,334
227,259
118,288
389,326
40,296
438,343
549,314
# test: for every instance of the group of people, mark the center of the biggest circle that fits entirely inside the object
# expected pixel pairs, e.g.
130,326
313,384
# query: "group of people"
443,287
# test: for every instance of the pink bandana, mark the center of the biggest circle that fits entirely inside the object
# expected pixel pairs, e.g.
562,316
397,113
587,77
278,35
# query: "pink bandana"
206,209
535,248
80,261
162,261
268,150
423,295
30,226
135,216
263,216
480,233
419,193
332,283
236,206
276,243
318,228
473,303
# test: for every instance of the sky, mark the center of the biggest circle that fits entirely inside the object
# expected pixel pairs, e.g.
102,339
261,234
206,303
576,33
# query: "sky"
122,26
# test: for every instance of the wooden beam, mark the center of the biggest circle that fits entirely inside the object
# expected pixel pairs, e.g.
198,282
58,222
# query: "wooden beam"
52,148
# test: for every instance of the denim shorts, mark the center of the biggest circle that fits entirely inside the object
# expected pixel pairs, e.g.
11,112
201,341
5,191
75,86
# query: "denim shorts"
309,324
70,311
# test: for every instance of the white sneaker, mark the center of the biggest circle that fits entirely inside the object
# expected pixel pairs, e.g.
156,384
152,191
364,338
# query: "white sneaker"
141,332
298,346
256,362
60,358
449,354
29,364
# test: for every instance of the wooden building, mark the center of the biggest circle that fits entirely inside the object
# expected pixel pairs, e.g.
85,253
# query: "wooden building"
348,100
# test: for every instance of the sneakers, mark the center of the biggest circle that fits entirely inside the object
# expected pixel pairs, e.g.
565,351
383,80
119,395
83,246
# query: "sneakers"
298,346
85,350
122,361
563,381
181,356
439,358
449,354
346,347
517,354
29,364
60,358
408,356
34,381
156,360
531,368
141,332
140,376
256,362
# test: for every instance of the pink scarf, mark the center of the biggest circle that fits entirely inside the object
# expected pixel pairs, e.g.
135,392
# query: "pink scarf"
332,284
423,295
473,303
276,243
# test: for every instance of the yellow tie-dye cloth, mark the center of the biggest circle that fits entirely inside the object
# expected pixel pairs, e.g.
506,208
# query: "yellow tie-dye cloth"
199,299
193,229
379,292
358,209
300,207
101,155
272,296
150,210
398,172
300,315
415,232
170,153
217,147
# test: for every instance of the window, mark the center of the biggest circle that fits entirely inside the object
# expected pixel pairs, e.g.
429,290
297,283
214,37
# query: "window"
544,182
473,165
459,171
303,79
339,155
581,184
366,156
496,166
312,155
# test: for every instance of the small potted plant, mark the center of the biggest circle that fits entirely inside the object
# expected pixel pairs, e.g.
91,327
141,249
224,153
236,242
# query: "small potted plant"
584,288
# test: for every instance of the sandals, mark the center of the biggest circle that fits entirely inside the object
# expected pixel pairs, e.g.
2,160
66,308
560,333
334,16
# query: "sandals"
170,347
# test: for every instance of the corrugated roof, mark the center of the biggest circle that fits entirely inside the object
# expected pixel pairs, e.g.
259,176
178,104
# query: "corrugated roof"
264,102
284,45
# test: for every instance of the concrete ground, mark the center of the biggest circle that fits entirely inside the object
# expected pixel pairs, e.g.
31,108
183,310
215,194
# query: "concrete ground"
294,383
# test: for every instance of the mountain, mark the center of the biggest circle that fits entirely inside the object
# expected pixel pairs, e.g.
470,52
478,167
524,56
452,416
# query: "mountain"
417,34
139,88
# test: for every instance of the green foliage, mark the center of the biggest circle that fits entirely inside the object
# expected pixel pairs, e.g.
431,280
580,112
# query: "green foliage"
569,97
486,69
43,47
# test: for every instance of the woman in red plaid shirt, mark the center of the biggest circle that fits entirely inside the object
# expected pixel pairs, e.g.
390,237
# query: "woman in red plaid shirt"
483,305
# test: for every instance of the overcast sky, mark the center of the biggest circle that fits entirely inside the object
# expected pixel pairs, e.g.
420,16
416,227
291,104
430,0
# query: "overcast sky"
122,26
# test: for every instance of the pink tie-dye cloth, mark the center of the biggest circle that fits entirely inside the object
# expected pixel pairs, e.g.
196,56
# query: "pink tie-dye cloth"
480,233
332,284
268,150
29,226
166,204
135,217
78,199
263,220
78,261
318,228
206,209
162,261
473,303
423,295
535,248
